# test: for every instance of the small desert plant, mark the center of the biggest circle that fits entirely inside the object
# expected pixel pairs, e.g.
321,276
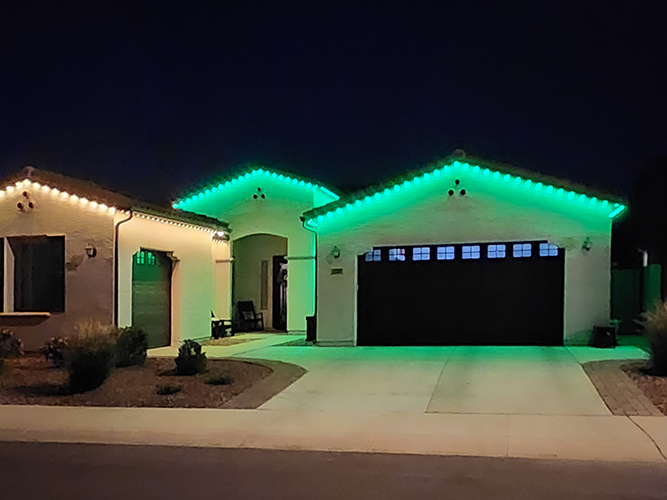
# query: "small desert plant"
655,327
131,347
90,355
54,350
220,380
167,390
10,346
190,359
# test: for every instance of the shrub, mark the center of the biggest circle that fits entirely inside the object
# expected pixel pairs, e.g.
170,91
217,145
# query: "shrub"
54,350
131,347
10,346
655,327
167,390
190,359
220,380
90,355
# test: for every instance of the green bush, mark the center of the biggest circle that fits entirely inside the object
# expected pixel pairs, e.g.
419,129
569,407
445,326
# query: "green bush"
90,356
220,380
655,328
131,347
190,359
54,350
167,390
10,346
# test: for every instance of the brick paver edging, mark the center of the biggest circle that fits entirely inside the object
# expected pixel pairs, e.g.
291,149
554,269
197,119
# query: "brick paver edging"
617,390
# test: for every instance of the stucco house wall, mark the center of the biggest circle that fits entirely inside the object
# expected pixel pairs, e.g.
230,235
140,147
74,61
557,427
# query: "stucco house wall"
488,212
193,279
276,214
88,281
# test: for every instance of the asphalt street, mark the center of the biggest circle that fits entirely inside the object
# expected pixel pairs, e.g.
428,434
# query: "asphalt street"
77,471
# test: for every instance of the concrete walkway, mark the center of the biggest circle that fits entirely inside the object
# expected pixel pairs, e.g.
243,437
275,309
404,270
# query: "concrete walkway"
446,401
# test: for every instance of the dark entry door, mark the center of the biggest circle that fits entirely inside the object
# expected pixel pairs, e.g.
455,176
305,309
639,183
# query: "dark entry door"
151,296
456,301
279,292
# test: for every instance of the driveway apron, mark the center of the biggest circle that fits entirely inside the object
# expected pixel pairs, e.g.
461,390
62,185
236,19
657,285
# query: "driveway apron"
489,380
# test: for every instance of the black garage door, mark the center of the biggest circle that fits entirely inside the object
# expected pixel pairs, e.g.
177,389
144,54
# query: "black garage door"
151,296
473,294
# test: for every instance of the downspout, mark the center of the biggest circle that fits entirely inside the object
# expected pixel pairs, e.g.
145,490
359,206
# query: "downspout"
115,266
303,223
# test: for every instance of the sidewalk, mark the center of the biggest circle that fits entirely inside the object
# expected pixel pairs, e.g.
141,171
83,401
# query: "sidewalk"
611,438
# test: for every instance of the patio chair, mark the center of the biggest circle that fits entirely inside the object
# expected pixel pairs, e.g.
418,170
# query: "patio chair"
220,327
247,317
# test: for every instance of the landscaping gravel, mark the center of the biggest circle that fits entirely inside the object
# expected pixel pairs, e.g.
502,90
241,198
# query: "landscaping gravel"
30,380
655,388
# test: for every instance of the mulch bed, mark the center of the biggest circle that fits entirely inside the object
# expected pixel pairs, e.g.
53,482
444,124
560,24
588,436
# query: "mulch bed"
654,387
30,380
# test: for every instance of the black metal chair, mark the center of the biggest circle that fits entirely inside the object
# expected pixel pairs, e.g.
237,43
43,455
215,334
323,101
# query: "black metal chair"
248,319
220,327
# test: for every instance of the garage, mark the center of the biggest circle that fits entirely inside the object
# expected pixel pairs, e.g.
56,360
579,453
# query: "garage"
509,293
151,296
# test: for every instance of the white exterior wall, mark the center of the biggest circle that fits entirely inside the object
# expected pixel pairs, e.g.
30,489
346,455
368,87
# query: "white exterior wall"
88,281
278,214
193,278
488,213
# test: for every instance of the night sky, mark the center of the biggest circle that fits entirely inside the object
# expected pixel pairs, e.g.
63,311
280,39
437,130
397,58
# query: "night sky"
153,101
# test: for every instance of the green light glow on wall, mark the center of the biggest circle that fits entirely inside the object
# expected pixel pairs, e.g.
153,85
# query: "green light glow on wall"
441,175
260,172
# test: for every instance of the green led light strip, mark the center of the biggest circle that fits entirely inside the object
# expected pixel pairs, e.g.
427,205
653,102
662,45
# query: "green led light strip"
260,172
438,173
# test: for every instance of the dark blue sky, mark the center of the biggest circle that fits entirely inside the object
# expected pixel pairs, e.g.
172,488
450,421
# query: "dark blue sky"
154,100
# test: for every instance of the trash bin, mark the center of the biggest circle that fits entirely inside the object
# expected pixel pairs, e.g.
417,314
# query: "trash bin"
311,326
604,336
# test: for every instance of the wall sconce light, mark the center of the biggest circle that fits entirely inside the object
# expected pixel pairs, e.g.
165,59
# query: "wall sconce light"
587,244
91,251
335,253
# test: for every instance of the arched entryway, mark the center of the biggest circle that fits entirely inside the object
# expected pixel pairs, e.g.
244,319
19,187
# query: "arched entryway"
259,274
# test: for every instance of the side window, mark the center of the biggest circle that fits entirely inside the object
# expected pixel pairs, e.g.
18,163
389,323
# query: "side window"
495,251
374,255
446,253
547,250
421,253
470,252
520,250
39,273
397,254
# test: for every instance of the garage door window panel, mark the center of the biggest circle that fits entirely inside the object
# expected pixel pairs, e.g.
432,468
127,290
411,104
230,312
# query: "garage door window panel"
470,252
522,250
421,253
446,253
397,254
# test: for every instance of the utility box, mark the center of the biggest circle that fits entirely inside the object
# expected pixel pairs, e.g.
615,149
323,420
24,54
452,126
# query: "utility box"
604,337
311,329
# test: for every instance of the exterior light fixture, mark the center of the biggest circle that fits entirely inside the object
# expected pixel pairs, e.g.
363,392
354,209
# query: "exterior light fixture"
587,245
335,252
91,251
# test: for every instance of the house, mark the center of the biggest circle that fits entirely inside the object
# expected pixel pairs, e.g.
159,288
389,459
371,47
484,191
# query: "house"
464,251
72,251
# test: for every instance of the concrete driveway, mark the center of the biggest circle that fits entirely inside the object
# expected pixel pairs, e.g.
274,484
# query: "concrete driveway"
484,380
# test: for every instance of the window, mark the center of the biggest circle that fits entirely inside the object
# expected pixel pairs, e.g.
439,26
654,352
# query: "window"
421,253
520,250
143,258
495,251
470,252
397,254
547,250
446,253
39,273
374,255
